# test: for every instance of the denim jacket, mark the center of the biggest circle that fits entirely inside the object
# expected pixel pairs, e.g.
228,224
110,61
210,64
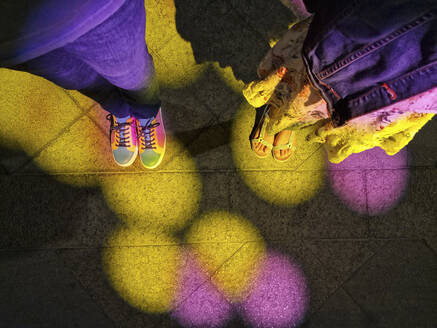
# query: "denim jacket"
366,54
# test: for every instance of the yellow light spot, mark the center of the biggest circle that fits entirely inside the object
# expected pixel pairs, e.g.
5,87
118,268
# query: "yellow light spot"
162,201
78,150
160,22
33,111
230,248
228,77
175,65
285,184
142,268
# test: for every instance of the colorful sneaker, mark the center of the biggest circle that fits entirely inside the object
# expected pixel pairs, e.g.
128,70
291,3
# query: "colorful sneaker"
151,140
123,139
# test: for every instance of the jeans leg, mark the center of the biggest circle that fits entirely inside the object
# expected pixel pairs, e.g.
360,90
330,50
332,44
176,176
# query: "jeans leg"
69,72
63,69
116,49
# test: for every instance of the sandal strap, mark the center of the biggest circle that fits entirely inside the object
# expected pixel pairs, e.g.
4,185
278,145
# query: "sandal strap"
265,120
262,141
282,147
289,145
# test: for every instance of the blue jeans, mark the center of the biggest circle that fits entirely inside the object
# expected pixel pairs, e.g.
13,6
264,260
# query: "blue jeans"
367,54
110,63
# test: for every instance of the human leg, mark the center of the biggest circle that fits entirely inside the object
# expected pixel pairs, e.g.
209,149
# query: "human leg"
111,64
69,72
117,50
282,144
261,141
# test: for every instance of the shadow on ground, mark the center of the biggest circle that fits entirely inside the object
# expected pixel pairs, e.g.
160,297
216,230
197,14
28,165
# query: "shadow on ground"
232,33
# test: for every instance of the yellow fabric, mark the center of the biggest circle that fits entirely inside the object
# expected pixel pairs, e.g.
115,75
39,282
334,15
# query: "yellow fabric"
258,93
344,141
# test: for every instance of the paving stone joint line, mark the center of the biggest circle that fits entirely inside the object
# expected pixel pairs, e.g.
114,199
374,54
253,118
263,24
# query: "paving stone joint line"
49,143
86,290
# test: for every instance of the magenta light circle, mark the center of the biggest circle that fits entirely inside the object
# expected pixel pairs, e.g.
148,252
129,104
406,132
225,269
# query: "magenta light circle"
198,303
370,182
279,297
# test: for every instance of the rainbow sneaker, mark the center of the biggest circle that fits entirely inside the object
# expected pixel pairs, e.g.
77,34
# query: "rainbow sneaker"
151,140
123,139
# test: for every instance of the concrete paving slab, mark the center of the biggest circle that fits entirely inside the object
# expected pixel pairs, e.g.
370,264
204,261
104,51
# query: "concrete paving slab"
339,311
38,211
83,102
415,214
160,201
269,19
186,121
175,64
321,283
211,150
215,191
82,148
350,188
385,189
98,116
432,243
219,90
44,111
96,226
160,24
42,293
3,170
397,287
217,34
422,150
344,257
86,266
13,159
320,216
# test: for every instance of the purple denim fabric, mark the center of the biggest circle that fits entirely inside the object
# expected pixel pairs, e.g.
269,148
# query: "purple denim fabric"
30,28
364,55
105,62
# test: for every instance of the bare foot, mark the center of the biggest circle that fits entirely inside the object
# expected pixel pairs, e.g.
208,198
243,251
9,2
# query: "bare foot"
259,148
282,138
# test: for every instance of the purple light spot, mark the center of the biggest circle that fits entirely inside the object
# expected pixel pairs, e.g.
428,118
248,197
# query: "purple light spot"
279,297
370,182
198,302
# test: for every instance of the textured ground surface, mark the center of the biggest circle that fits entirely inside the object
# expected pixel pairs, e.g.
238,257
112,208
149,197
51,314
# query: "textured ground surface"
215,236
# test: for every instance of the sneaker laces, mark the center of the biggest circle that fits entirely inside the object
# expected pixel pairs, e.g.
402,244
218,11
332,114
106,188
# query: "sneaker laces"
122,135
147,135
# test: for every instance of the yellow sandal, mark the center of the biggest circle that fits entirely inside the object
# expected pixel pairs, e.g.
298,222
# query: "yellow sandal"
290,145
263,123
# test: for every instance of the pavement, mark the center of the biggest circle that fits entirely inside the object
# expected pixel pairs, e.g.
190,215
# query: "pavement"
214,237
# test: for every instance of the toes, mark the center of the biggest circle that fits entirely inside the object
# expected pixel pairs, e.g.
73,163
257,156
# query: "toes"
277,154
282,154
